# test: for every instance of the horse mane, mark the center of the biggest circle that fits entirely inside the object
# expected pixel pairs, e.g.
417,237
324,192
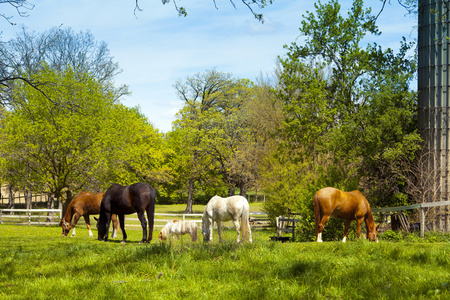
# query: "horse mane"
69,212
370,222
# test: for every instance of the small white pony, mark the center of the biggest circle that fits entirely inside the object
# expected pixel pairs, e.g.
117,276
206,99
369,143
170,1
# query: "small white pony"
220,210
177,228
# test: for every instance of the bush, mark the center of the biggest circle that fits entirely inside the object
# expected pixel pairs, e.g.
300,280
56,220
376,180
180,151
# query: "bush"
391,235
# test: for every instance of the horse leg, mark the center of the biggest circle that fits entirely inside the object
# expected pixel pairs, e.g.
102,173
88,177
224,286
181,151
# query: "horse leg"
219,230
88,225
115,226
358,226
122,227
76,217
210,229
238,229
321,226
143,220
347,226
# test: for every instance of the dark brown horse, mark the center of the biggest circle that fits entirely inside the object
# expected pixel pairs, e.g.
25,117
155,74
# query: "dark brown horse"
124,200
344,205
84,204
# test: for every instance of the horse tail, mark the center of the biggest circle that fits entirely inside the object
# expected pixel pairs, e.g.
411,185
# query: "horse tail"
317,212
245,226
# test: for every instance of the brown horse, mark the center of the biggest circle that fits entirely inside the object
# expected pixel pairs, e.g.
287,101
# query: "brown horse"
84,204
344,205
124,200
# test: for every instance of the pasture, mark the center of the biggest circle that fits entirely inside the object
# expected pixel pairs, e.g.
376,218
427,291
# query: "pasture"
37,263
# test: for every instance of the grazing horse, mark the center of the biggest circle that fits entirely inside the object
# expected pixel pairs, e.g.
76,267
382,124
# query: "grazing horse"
124,200
84,204
221,210
344,205
177,228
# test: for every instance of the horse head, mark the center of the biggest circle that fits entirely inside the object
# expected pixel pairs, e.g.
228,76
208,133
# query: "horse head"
372,235
205,227
101,228
65,227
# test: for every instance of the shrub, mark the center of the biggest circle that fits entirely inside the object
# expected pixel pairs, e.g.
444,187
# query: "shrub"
391,235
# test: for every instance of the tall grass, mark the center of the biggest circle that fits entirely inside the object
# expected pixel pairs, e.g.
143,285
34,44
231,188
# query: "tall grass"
37,263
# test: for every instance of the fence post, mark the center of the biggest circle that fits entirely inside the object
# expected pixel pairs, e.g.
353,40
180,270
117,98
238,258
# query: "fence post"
293,230
422,221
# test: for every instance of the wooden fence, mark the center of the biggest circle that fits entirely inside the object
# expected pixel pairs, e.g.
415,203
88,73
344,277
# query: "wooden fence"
35,217
30,216
257,220
421,206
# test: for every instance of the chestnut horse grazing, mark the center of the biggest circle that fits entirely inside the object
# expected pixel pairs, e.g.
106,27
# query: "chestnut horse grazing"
344,205
221,210
124,200
84,204
177,228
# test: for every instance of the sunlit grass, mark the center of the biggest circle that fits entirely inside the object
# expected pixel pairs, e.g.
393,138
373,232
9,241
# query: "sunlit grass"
37,263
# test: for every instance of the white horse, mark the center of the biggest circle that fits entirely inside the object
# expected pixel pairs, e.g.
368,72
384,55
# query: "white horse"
221,210
177,228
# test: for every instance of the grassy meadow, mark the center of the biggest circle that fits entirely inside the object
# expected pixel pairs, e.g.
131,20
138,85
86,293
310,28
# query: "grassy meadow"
37,263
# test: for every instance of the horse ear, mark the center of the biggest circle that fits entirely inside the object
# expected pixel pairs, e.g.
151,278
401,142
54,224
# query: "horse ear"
95,219
378,227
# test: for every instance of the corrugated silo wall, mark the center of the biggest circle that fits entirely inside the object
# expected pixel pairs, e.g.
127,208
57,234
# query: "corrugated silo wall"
434,104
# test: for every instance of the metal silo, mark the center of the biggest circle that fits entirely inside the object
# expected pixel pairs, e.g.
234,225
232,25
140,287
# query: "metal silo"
434,104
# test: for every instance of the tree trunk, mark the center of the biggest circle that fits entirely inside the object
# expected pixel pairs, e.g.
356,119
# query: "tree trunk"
190,200
11,198
243,189
28,199
231,190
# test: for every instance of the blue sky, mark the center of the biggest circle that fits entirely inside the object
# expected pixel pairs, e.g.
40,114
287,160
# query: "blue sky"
156,48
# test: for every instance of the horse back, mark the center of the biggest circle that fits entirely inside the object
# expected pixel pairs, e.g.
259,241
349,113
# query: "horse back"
86,203
225,209
126,200
340,204
327,199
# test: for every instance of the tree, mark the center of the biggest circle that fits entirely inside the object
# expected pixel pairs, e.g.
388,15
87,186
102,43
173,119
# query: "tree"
249,3
23,57
21,6
214,123
347,109
49,146
132,150
52,147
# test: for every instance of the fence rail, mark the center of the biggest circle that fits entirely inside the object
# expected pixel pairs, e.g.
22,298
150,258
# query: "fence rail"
420,206
30,216
257,220
33,217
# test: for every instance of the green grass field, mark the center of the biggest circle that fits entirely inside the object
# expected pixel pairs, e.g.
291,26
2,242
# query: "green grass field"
37,263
